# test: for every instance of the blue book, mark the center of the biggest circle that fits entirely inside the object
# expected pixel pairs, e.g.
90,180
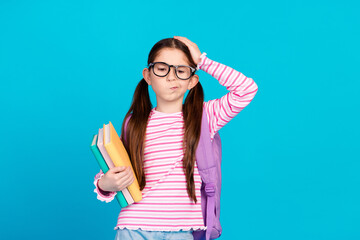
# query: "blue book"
104,167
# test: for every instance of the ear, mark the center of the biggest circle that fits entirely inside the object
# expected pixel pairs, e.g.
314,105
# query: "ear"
193,81
146,75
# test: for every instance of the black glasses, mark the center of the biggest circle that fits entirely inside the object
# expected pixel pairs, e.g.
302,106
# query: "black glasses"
161,69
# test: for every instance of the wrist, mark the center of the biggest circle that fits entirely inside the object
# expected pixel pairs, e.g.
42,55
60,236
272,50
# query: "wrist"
100,188
201,61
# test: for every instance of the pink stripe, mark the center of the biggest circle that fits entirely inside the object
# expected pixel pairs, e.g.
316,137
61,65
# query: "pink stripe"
171,189
168,196
249,93
166,116
156,173
204,64
157,116
243,81
228,100
182,174
154,225
177,175
209,66
238,108
227,106
170,211
249,86
148,181
215,70
164,124
228,76
163,136
240,85
156,144
223,120
172,203
176,190
235,79
161,158
182,218
179,181
162,165
245,101
167,129
222,72
164,150
170,181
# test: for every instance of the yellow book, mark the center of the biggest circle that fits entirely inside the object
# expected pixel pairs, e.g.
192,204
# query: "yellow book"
119,156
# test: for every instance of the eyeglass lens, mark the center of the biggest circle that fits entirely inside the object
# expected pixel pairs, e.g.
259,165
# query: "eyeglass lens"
161,69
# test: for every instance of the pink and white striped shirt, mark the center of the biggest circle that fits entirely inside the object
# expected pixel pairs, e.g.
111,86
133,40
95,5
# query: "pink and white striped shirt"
165,205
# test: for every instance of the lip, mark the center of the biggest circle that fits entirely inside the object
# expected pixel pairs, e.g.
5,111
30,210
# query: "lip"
174,88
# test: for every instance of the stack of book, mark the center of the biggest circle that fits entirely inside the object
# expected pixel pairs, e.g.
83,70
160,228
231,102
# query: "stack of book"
110,152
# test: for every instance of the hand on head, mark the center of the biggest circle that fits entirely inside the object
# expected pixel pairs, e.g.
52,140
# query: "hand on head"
194,49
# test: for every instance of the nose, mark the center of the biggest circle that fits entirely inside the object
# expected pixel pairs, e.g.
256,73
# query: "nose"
172,74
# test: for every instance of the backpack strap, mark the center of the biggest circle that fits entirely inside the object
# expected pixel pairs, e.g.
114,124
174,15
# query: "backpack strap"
207,168
125,126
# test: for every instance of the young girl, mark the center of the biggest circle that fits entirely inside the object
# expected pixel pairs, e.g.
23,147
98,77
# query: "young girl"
162,141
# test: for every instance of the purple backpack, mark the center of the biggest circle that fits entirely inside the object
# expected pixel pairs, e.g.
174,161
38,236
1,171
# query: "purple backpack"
208,159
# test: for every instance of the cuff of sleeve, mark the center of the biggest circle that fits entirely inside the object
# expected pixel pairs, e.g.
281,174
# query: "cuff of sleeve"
101,195
202,57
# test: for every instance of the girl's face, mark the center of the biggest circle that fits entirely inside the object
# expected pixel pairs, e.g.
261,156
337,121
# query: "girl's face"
170,89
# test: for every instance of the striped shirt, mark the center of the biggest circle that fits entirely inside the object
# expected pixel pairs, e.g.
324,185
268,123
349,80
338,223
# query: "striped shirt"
165,205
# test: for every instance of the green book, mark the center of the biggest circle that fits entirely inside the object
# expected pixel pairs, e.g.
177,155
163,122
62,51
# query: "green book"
104,167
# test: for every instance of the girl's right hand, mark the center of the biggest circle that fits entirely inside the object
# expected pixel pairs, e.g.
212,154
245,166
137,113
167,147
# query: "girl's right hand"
194,49
116,179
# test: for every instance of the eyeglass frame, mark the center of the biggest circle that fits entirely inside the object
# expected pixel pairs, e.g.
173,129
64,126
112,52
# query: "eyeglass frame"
193,70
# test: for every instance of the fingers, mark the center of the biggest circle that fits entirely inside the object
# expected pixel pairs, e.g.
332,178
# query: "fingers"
117,169
194,49
117,178
124,178
184,39
128,180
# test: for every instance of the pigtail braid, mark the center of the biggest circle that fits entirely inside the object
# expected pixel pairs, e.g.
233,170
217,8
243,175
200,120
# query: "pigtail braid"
140,109
192,112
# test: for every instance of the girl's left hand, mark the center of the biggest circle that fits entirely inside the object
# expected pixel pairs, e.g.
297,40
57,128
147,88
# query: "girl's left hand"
194,50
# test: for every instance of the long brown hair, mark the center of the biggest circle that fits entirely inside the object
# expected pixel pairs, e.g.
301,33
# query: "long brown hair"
140,109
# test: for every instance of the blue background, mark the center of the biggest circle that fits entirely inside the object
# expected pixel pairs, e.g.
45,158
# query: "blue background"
290,162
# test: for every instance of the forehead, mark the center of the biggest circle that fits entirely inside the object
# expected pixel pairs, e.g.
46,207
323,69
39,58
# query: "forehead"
172,56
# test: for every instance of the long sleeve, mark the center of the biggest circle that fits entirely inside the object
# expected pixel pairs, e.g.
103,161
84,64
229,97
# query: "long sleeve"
102,195
241,92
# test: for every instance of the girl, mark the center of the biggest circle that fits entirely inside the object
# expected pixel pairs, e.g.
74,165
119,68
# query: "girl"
162,141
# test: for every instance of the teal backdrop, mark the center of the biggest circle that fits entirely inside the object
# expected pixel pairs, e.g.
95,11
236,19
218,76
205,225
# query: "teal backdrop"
290,158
